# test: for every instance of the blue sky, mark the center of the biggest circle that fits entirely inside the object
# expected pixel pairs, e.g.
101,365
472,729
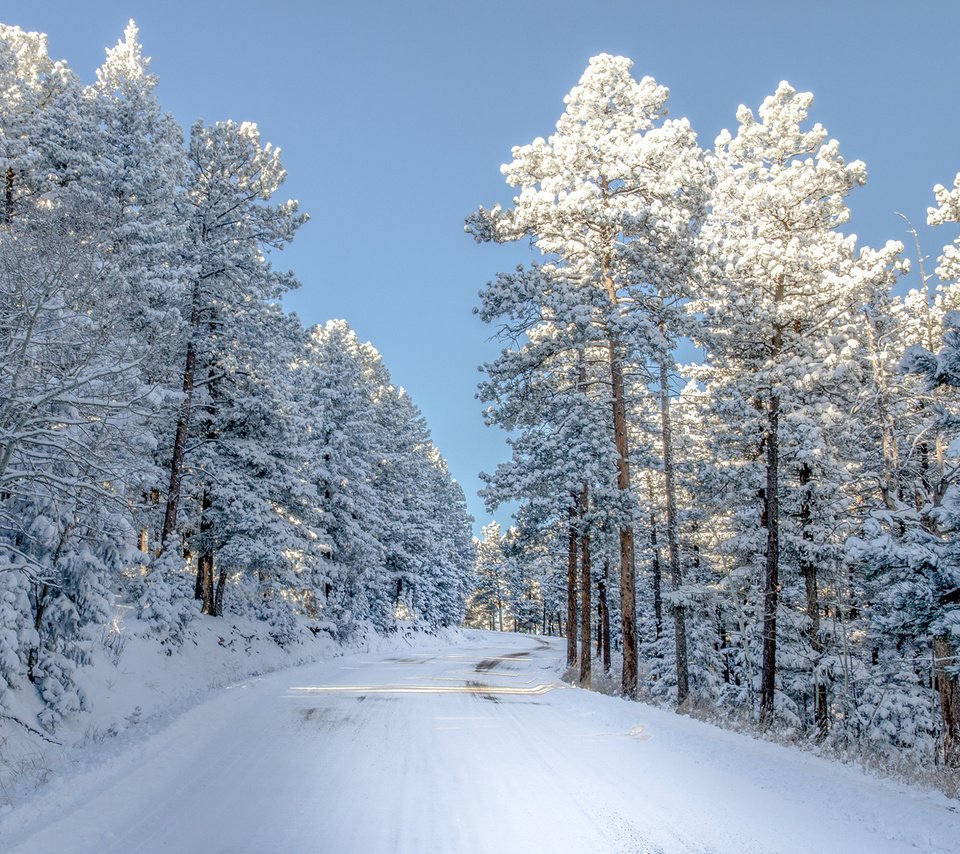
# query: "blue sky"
395,117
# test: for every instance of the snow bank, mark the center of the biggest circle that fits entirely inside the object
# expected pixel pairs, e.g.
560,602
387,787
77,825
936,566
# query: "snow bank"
135,686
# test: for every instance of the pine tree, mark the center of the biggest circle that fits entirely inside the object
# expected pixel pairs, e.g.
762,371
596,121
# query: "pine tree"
783,286
489,603
230,231
606,199
72,440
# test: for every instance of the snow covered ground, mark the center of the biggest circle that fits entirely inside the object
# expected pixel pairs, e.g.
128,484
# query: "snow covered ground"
470,745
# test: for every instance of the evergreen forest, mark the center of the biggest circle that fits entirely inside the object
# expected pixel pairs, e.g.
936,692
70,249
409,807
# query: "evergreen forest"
734,432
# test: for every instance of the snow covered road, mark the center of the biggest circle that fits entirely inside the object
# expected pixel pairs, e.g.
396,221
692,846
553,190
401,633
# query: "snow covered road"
468,748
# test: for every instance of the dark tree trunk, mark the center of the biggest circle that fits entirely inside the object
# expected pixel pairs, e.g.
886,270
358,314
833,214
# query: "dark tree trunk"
628,572
605,617
9,180
586,657
218,595
599,631
772,571
179,450
657,580
808,568
572,589
183,424
771,581
723,646
673,545
33,655
656,572
198,583
205,574
944,656
205,556
628,586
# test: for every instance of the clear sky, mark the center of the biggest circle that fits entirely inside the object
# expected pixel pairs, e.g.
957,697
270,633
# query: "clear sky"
394,118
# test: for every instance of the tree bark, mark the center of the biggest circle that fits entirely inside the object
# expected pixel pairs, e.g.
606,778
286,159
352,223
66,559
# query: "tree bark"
673,545
572,589
205,556
183,426
771,582
944,656
628,585
586,656
33,656
605,616
179,450
808,568
218,594
655,567
9,180
598,640
772,571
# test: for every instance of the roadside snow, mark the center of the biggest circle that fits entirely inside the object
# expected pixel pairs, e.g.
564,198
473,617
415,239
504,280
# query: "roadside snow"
136,687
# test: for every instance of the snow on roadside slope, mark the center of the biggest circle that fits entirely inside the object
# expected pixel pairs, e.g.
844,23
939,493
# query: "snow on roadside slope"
438,751
135,687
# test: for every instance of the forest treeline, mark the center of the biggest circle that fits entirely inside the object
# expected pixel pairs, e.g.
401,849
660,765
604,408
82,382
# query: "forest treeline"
769,534
170,438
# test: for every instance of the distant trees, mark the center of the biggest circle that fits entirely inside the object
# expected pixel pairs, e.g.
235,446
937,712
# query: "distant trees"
489,604
791,507
168,435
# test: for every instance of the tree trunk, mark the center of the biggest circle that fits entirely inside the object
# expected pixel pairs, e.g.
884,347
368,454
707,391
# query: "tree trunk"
808,567
655,566
198,584
722,646
628,586
673,545
771,576
10,178
218,595
605,617
179,450
183,424
572,590
33,656
599,632
586,656
628,573
771,582
205,575
944,656
205,557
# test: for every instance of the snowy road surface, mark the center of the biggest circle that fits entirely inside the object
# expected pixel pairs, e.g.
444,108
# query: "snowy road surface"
468,748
